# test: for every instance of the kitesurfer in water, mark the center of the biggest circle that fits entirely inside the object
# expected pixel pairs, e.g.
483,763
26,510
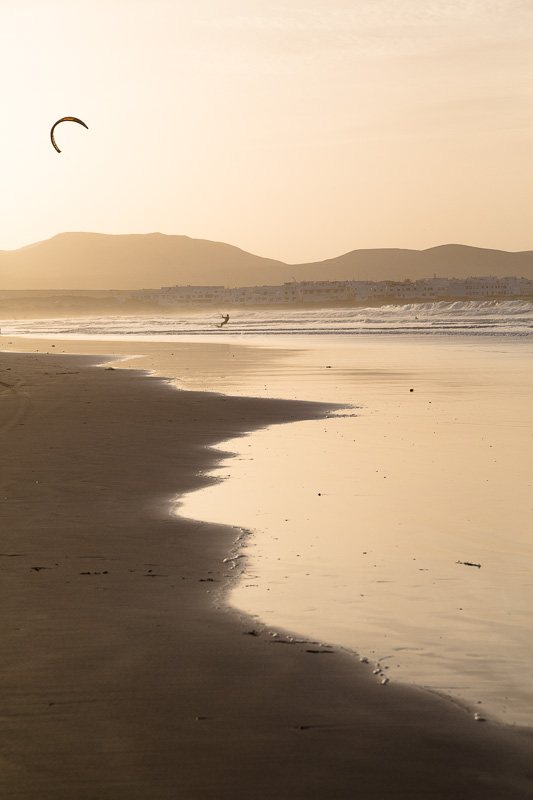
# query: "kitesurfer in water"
225,320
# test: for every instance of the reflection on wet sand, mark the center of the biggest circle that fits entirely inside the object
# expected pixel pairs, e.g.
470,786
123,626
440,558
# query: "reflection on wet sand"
368,523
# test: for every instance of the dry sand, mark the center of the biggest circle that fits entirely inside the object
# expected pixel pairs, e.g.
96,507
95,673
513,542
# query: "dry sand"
121,678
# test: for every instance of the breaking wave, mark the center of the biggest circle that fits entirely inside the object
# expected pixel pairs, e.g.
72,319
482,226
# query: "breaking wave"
481,318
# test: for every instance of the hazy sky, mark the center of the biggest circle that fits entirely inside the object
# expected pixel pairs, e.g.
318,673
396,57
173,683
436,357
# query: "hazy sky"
297,129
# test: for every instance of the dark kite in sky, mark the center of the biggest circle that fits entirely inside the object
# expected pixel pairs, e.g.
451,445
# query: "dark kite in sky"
64,119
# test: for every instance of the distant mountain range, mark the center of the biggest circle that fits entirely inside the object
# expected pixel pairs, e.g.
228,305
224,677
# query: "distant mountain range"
136,261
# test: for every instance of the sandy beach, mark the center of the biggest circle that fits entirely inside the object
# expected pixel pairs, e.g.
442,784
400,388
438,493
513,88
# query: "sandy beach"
266,419
125,675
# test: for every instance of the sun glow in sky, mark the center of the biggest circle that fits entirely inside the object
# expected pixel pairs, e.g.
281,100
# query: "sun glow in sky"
297,129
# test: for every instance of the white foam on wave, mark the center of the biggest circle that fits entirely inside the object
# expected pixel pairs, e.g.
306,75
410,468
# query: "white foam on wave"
473,317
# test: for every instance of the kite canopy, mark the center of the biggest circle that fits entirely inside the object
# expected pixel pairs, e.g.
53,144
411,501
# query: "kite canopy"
64,119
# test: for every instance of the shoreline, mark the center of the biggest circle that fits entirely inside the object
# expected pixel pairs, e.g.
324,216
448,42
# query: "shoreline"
381,553
161,682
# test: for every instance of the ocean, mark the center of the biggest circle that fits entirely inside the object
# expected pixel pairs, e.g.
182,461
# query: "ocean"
475,318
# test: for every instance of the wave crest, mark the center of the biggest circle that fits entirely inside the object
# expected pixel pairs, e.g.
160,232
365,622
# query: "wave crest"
472,317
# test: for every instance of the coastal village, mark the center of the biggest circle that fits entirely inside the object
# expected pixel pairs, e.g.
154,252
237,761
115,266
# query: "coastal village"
340,292
303,294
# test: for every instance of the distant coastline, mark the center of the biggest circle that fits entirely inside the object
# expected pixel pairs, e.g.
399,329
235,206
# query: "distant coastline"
294,294
350,292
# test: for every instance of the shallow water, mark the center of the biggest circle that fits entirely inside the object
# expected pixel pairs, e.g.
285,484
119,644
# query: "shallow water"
360,520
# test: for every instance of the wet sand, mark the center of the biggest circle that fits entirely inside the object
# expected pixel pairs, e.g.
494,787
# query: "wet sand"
123,673
360,521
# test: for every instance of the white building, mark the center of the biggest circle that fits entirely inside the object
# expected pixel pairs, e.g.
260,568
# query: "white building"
320,292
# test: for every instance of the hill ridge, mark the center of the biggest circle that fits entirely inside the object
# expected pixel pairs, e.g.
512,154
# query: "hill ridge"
91,260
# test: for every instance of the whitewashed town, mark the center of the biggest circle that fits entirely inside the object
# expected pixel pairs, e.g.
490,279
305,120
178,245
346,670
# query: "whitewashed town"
339,292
